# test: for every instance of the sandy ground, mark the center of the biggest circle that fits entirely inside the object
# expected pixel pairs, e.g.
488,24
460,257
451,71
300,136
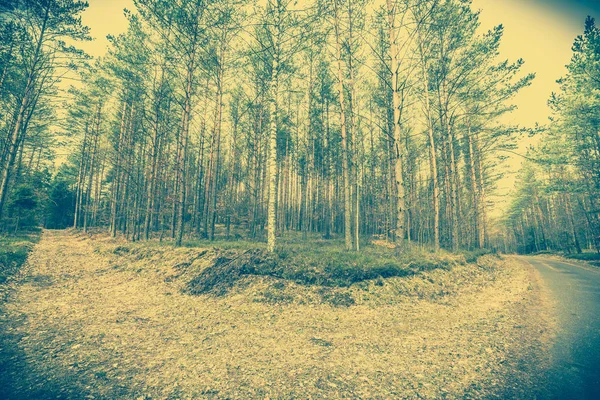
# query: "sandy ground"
82,323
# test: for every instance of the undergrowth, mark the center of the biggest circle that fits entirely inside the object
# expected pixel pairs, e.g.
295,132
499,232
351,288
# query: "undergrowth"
313,262
215,267
590,257
587,256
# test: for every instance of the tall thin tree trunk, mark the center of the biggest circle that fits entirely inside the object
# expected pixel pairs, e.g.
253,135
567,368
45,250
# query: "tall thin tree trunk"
272,149
217,135
345,147
114,208
182,154
400,201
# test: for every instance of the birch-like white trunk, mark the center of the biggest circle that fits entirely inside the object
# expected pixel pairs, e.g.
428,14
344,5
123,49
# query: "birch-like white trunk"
400,206
345,155
272,150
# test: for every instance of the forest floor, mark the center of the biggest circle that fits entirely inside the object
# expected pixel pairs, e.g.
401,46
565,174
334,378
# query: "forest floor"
100,318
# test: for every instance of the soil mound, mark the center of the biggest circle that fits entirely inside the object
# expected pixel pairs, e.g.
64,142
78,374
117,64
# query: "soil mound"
228,268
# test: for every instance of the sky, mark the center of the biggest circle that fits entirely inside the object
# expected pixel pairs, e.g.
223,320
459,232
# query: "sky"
542,33
104,17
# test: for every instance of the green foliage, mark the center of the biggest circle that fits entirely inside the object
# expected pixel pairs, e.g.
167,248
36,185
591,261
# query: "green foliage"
40,200
34,57
60,206
26,200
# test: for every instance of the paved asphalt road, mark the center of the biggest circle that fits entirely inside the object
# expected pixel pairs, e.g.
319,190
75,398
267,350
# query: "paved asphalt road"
576,353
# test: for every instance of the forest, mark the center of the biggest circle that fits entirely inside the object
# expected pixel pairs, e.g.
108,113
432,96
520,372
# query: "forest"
299,199
241,120
555,207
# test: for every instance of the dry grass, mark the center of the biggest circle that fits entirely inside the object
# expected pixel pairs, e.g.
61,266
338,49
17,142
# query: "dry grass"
120,322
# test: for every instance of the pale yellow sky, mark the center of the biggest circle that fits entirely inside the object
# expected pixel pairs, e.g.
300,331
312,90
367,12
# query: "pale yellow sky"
542,34
104,17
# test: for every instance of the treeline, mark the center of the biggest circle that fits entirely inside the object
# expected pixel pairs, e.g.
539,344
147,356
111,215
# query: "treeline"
34,57
343,117
557,206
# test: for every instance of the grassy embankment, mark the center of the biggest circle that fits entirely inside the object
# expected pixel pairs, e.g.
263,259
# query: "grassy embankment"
321,267
13,252
588,256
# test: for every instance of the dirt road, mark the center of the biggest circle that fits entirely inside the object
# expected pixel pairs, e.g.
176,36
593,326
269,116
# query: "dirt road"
85,322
